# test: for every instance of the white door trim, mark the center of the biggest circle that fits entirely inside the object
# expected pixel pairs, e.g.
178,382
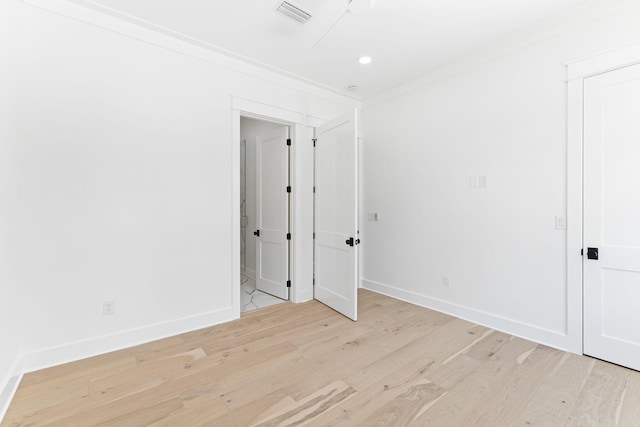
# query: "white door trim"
577,71
608,60
301,206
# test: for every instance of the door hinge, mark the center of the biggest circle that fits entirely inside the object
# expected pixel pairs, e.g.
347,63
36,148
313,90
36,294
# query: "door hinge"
288,189
581,252
288,283
314,188
288,236
314,141
288,141
314,235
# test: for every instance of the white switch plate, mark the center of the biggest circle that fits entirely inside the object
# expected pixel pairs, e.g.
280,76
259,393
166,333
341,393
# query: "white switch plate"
473,182
108,307
373,217
446,281
483,182
561,222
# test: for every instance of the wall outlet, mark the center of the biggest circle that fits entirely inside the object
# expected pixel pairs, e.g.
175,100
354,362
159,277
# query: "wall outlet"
446,281
108,307
483,182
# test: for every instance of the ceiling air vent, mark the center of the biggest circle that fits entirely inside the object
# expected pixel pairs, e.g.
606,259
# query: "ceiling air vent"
294,12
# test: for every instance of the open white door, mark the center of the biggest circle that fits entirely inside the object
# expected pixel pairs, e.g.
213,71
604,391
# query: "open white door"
611,260
336,215
272,213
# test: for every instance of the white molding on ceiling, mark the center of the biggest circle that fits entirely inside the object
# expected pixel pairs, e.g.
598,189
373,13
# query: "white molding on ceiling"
571,19
90,13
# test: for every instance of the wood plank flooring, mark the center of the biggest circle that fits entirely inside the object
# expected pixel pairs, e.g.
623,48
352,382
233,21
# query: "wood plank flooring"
304,364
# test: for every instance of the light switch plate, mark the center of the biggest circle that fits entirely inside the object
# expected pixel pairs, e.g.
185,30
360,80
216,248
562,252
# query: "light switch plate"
561,222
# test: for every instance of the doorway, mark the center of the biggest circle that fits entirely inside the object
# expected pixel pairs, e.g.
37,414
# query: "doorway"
303,245
264,213
611,262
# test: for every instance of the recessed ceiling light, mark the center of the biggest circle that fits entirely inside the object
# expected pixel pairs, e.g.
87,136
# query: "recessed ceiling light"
365,60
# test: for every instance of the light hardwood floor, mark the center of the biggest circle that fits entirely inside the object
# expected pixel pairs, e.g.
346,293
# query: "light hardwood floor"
304,364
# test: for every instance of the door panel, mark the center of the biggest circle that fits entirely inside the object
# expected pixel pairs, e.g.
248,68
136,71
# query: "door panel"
612,216
272,213
336,215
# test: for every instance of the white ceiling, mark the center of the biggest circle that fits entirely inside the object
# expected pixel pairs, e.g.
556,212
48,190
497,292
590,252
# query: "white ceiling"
405,43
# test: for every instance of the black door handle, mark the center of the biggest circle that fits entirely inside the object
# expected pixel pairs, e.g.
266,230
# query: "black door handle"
351,241
592,253
256,233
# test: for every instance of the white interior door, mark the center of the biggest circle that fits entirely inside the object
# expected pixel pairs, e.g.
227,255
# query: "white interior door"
336,215
612,216
272,212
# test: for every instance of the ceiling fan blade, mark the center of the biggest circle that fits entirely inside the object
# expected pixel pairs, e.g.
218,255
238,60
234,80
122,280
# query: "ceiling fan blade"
330,28
398,4
362,6
359,6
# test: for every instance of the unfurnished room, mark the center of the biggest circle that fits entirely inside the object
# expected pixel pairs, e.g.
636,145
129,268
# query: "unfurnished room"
320,213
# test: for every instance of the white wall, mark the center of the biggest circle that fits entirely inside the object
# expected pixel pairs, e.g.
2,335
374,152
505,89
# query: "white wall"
120,186
10,288
125,182
505,119
249,130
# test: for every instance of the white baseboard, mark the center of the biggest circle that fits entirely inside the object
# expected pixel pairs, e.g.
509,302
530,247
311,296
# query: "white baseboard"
512,327
8,388
249,273
71,352
92,347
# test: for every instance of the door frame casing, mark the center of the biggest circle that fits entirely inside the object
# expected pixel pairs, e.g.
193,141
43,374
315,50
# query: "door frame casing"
577,72
301,210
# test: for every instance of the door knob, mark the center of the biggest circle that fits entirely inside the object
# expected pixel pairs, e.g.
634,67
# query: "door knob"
592,253
351,241
256,233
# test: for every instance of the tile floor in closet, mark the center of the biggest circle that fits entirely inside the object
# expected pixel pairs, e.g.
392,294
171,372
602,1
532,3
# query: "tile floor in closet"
251,298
